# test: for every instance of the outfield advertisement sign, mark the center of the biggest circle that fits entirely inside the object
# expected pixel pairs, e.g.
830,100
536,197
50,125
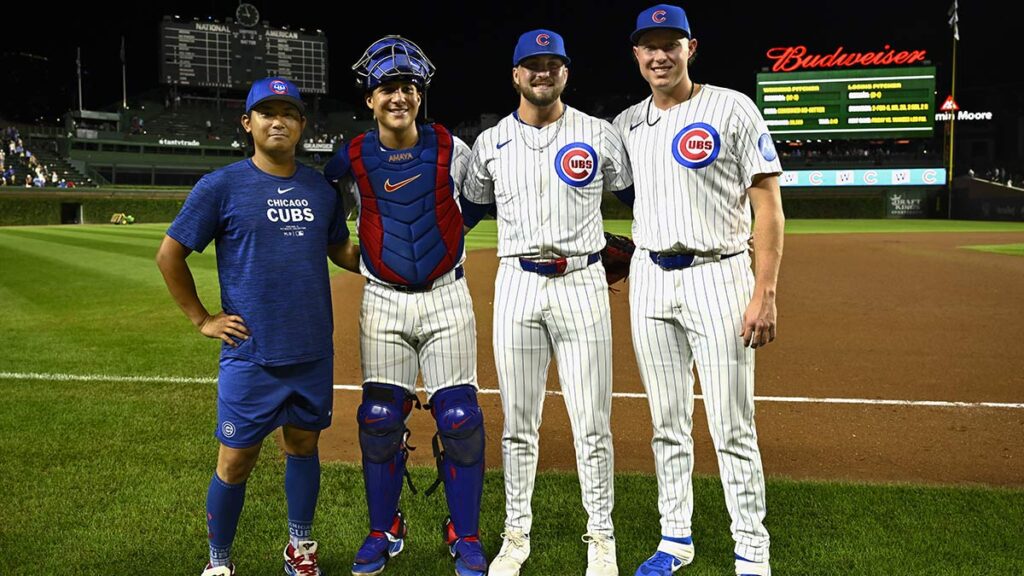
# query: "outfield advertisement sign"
860,178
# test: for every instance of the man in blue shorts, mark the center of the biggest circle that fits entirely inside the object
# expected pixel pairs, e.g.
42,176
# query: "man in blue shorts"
274,222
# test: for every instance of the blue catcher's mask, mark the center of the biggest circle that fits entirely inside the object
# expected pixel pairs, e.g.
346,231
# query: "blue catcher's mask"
393,58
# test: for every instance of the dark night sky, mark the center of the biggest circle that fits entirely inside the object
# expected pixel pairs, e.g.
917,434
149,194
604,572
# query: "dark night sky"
472,50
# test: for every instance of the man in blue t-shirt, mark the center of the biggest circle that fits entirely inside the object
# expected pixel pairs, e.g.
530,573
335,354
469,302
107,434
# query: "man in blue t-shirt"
274,222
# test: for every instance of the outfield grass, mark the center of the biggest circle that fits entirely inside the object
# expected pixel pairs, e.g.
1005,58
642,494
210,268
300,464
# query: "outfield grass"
1008,249
108,477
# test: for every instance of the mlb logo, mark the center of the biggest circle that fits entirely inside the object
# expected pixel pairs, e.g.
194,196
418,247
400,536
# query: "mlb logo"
576,164
696,145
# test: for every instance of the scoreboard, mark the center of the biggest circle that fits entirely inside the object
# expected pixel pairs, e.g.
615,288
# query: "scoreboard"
216,55
878,103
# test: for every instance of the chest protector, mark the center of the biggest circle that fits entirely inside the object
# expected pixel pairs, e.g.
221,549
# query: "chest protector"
410,227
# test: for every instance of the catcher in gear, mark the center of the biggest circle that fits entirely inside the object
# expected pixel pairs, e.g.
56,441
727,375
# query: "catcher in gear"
416,314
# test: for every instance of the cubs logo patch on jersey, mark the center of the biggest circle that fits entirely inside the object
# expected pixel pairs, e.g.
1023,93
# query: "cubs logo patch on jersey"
696,145
576,164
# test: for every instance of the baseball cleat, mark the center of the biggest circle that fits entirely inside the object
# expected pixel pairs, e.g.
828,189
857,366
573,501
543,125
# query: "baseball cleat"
467,551
212,570
601,555
515,549
379,547
672,554
301,560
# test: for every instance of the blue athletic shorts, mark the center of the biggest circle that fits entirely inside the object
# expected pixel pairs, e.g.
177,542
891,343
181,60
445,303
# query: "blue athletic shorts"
254,400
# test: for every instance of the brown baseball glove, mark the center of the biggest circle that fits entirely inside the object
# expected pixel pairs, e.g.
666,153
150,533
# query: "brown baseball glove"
617,253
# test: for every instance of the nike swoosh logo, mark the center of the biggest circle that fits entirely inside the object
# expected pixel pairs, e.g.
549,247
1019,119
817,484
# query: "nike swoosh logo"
389,187
502,144
635,126
279,191
457,425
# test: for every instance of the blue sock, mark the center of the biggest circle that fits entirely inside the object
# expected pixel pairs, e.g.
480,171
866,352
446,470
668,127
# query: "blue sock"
223,507
687,540
301,488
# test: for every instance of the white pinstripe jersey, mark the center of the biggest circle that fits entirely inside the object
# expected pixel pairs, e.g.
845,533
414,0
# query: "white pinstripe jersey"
460,161
548,182
692,165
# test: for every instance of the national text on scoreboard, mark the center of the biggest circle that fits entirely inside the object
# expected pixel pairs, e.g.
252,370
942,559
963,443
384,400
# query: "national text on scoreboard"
872,103
226,55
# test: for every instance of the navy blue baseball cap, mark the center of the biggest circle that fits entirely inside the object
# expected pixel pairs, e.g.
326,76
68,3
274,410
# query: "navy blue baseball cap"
661,17
275,88
538,43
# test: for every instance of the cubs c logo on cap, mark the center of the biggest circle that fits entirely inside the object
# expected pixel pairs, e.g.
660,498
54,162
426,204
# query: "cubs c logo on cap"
576,164
543,39
658,16
767,148
278,87
697,145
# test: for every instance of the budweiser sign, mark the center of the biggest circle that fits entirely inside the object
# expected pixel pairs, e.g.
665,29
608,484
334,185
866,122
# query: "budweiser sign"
790,58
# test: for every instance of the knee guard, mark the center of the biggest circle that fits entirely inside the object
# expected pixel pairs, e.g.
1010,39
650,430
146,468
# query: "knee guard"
382,436
459,451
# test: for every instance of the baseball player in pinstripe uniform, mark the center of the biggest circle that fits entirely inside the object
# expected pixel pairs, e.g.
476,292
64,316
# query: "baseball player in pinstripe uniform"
546,166
417,314
701,155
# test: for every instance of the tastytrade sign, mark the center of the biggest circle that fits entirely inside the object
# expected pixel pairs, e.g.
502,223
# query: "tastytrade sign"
793,58
877,177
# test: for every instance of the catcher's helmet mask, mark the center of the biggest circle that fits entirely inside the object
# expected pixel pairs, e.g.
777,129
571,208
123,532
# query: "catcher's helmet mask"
393,58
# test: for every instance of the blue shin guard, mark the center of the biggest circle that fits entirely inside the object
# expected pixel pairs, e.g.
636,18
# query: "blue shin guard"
459,451
382,435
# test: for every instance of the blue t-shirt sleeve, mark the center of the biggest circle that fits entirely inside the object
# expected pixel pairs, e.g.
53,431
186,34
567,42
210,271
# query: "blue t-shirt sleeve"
199,219
338,166
338,232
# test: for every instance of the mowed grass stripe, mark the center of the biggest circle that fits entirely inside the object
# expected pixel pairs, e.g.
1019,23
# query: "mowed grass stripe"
144,253
95,234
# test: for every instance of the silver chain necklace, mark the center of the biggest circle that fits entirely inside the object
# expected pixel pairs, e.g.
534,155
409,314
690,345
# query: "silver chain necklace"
554,132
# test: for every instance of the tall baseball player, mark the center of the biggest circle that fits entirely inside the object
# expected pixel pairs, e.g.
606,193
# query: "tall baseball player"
546,166
274,222
417,314
700,156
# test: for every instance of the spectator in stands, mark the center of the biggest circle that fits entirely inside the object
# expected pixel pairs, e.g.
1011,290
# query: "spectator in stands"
28,180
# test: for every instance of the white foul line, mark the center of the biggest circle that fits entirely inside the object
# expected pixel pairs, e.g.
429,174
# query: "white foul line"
630,395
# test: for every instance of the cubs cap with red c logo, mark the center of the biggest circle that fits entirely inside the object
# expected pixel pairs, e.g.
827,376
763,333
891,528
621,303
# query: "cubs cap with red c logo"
539,42
662,16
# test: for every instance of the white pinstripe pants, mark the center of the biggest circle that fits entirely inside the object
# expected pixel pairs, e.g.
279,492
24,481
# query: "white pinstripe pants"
695,314
569,315
401,334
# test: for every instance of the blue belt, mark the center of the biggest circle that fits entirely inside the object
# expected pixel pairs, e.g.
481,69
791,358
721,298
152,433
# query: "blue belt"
553,267
677,261
425,287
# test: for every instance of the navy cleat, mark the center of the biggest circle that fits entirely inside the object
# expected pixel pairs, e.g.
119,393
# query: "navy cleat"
379,547
467,551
